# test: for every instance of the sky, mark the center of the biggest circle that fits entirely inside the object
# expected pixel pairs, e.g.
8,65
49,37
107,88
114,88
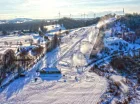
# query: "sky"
51,8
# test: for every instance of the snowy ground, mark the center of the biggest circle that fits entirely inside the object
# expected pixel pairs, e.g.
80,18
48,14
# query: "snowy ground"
53,92
76,85
73,88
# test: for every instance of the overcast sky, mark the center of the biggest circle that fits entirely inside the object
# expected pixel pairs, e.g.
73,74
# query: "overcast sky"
51,8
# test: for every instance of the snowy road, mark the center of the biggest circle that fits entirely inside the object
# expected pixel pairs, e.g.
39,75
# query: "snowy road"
67,90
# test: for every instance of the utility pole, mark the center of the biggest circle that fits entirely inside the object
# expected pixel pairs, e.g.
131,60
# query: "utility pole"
59,15
70,15
123,12
94,15
84,16
81,16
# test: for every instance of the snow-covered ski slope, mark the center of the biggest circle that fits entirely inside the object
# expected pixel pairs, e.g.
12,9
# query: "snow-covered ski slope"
73,88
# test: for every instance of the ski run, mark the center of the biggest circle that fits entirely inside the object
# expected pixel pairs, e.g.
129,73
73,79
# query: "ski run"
76,85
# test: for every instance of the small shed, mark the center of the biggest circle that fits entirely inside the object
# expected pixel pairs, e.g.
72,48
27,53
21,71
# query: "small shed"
50,74
49,71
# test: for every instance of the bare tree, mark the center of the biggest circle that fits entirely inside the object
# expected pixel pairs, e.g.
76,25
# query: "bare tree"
6,43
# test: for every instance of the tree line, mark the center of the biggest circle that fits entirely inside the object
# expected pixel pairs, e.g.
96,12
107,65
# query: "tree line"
70,23
33,26
132,21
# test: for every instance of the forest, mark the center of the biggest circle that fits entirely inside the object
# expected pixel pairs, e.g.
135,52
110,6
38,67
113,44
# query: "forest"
33,26
132,21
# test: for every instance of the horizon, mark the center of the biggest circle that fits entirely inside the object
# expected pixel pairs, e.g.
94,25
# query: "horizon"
44,9
66,16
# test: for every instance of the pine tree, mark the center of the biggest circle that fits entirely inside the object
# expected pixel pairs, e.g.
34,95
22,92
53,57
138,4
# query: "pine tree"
55,41
4,32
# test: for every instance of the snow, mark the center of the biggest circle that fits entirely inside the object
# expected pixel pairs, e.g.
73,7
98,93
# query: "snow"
16,38
114,43
50,69
55,28
86,47
138,41
103,22
59,92
72,88
120,81
75,84
2,51
91,36
79,60
51,34
11,77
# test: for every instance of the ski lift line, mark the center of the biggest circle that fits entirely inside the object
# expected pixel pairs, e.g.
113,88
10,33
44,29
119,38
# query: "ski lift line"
71,47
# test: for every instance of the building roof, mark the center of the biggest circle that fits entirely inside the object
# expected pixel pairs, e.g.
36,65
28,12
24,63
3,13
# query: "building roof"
50,69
